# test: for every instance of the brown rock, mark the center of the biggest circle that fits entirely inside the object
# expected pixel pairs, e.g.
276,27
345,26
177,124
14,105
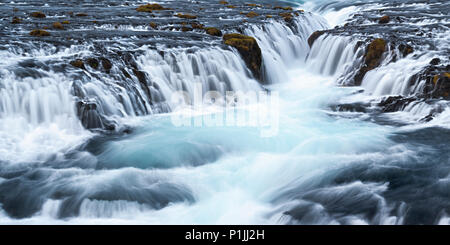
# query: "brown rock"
58,25
150,7
186,16
37,15
252,14
384,19
78,63
213,31
39,33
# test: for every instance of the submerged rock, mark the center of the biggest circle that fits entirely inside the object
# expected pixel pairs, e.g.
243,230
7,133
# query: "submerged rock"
249,49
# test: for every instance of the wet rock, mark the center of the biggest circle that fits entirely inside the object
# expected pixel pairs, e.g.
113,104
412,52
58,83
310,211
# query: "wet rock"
249,50
186,16
185,29
314,37
373,57
435,61
81,15
223,2
65,22
78,63
16,20
441,86
384,19
37,15
213,31
231,6
150,7
106,64
39,33
57,25
405,49
92,62
395,103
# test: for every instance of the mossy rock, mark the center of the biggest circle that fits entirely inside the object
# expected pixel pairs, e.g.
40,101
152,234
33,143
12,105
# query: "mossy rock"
249,49
252,14
223,2
269,16
231,6
81,15
16,20
150,7
78,63
384,19
65,22
57,25
314,37
375,52
185,29
253,5
213,31
373,57
38,15
39,33
186,16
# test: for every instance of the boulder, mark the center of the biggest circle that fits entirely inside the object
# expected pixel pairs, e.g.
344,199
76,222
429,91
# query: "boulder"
373,57
78,63
57,25
149,7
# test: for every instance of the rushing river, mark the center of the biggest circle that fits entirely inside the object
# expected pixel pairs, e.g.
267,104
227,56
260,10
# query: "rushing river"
319,165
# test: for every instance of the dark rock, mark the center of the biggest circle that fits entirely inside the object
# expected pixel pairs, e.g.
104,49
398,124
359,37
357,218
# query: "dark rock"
78,63
81,15
16,20
249,50
314,37
153,25
405,49
92,62
106,64
435,61
395,103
